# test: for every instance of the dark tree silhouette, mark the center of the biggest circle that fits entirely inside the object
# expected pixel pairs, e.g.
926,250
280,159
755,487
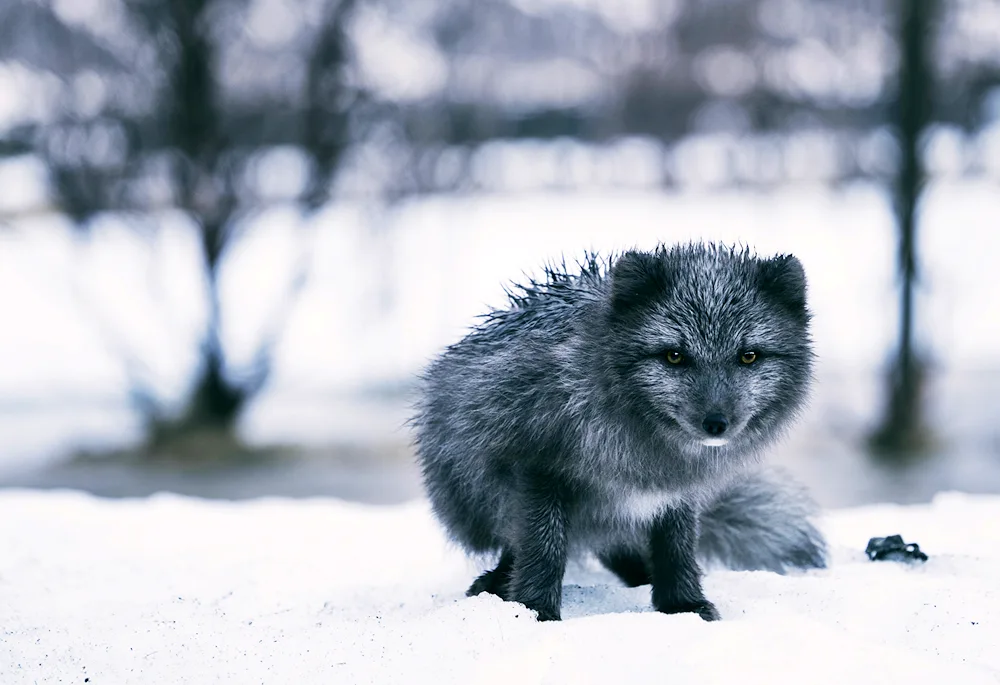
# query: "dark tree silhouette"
207,165
205,139
903,431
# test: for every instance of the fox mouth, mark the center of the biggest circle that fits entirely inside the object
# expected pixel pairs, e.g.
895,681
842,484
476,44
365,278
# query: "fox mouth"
708,432
700,435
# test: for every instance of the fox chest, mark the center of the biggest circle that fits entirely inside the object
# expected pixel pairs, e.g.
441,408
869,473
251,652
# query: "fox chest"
639,506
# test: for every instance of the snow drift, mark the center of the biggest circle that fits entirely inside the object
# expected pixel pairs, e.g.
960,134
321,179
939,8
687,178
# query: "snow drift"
176,590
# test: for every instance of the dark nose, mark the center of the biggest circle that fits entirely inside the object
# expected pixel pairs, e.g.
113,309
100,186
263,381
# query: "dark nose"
715,424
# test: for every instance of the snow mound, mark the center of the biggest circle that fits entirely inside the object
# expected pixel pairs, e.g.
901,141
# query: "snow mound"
176,590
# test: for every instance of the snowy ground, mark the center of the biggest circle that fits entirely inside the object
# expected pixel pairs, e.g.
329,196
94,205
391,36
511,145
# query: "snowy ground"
320,591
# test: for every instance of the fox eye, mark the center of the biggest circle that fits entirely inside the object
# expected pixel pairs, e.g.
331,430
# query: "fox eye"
748,357
674,357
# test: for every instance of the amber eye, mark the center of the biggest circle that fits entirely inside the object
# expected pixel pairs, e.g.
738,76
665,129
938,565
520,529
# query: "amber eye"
748,357
674,357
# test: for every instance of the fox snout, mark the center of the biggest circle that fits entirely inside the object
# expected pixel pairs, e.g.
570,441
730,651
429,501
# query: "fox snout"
715,424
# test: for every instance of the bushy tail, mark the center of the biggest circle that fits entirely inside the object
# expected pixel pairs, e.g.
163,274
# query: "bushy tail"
762,523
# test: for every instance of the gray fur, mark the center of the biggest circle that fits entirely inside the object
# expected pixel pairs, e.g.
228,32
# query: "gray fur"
762,523
557,425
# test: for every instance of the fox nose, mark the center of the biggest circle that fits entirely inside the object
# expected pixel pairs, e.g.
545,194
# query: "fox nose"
715,424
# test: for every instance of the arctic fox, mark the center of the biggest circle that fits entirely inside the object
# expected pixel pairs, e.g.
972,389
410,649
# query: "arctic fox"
622,408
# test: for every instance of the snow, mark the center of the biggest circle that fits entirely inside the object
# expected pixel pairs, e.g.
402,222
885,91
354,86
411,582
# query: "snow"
180,590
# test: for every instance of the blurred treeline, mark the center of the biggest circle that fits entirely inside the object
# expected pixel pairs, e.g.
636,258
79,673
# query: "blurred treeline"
217,107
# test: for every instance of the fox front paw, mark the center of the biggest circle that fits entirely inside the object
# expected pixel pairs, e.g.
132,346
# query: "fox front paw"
546,611
708,611
545,599
703,608
548,614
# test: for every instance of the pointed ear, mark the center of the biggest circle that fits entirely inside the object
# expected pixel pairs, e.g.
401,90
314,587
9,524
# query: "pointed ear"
784,281
637,278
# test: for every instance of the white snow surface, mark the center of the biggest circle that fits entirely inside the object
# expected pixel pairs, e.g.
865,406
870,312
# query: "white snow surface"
176,590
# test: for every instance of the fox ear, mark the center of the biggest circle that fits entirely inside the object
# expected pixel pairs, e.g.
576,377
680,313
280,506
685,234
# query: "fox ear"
636,279
784,280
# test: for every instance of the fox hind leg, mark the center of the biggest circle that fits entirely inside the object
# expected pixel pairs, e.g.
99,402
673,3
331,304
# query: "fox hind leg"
628,564
496,580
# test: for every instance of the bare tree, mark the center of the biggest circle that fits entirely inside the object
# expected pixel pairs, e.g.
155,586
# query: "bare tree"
903,431
188,124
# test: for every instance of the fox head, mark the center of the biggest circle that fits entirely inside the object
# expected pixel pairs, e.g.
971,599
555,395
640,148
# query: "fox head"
710,343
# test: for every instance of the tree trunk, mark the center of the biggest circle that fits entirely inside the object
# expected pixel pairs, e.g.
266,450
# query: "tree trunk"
903,433
214,403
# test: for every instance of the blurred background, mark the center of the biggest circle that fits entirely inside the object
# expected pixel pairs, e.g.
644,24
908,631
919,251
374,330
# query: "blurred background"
233,231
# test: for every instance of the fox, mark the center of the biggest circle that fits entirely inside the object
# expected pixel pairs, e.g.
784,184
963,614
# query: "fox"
622,409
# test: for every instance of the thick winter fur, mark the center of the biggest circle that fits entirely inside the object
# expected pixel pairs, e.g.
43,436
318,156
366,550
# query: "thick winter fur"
761,522
587,416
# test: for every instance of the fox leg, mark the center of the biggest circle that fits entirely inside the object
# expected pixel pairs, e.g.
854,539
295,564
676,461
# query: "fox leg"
628,564
494,581
540,543
676,575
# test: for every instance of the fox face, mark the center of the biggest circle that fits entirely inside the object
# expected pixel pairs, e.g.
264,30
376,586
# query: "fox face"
712,344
